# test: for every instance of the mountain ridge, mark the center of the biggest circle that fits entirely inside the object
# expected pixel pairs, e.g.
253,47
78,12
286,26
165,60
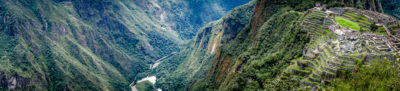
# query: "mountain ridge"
267,50
90,44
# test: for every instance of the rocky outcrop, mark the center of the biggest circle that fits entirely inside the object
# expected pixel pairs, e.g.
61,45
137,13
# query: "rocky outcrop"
15,82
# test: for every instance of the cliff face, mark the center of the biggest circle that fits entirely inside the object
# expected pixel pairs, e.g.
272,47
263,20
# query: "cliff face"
193,62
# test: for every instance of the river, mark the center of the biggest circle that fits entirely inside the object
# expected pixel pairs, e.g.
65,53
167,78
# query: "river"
152,78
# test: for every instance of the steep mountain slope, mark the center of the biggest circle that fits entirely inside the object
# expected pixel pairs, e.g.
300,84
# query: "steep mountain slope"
78,44
196,13
175,73
391,7
90,44
263,45
273,50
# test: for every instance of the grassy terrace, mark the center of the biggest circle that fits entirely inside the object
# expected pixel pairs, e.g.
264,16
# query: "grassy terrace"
394,27
325,63
318,29
381,30
347,23
362,20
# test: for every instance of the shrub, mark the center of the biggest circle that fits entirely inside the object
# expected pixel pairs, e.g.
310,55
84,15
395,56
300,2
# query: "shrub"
379,75
373,27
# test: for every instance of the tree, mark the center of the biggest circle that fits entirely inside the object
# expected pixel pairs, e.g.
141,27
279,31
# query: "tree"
397,56
362,30
373,27
359,4
379,75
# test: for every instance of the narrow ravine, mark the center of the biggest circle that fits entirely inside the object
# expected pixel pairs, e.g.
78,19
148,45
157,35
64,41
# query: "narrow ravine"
150,77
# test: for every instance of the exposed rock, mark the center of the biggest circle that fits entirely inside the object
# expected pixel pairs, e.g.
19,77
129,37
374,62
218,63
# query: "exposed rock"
14,82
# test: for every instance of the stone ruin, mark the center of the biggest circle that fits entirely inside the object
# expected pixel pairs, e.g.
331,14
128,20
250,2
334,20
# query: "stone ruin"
339,30
320,7
376,16
337,10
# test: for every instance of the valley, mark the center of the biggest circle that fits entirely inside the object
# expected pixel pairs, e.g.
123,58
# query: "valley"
290,45
199,45
93,44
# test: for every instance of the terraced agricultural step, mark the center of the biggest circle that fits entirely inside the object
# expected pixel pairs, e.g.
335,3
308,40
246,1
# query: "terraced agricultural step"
299,71
346,58
311,25
312,64
384,49
318,32
316,16
327,75
354,19
334,63
309,83
302,63
318,12
330,70
313,21
315,75
314,28
349,63
314,80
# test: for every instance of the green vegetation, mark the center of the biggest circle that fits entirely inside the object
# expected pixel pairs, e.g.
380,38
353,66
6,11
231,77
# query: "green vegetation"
106,44
347,23
193,62
381,30
145,86
360,19
274,44
93,45
373,27
379,75
260,53
394,28
391,7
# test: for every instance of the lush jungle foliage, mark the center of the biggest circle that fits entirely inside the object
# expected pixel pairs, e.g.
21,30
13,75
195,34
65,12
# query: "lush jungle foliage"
93,44
107,44
177,73
278,41
258,54
380,75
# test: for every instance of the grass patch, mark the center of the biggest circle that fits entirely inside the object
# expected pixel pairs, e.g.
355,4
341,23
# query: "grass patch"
347,23
298,69
394,27
381,30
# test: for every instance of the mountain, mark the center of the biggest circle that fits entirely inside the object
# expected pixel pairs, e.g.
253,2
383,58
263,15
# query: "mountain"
193,61
93,44
199,45
292,45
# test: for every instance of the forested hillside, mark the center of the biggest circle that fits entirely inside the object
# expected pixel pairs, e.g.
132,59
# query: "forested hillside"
213,45
93,44
292,45
177,74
